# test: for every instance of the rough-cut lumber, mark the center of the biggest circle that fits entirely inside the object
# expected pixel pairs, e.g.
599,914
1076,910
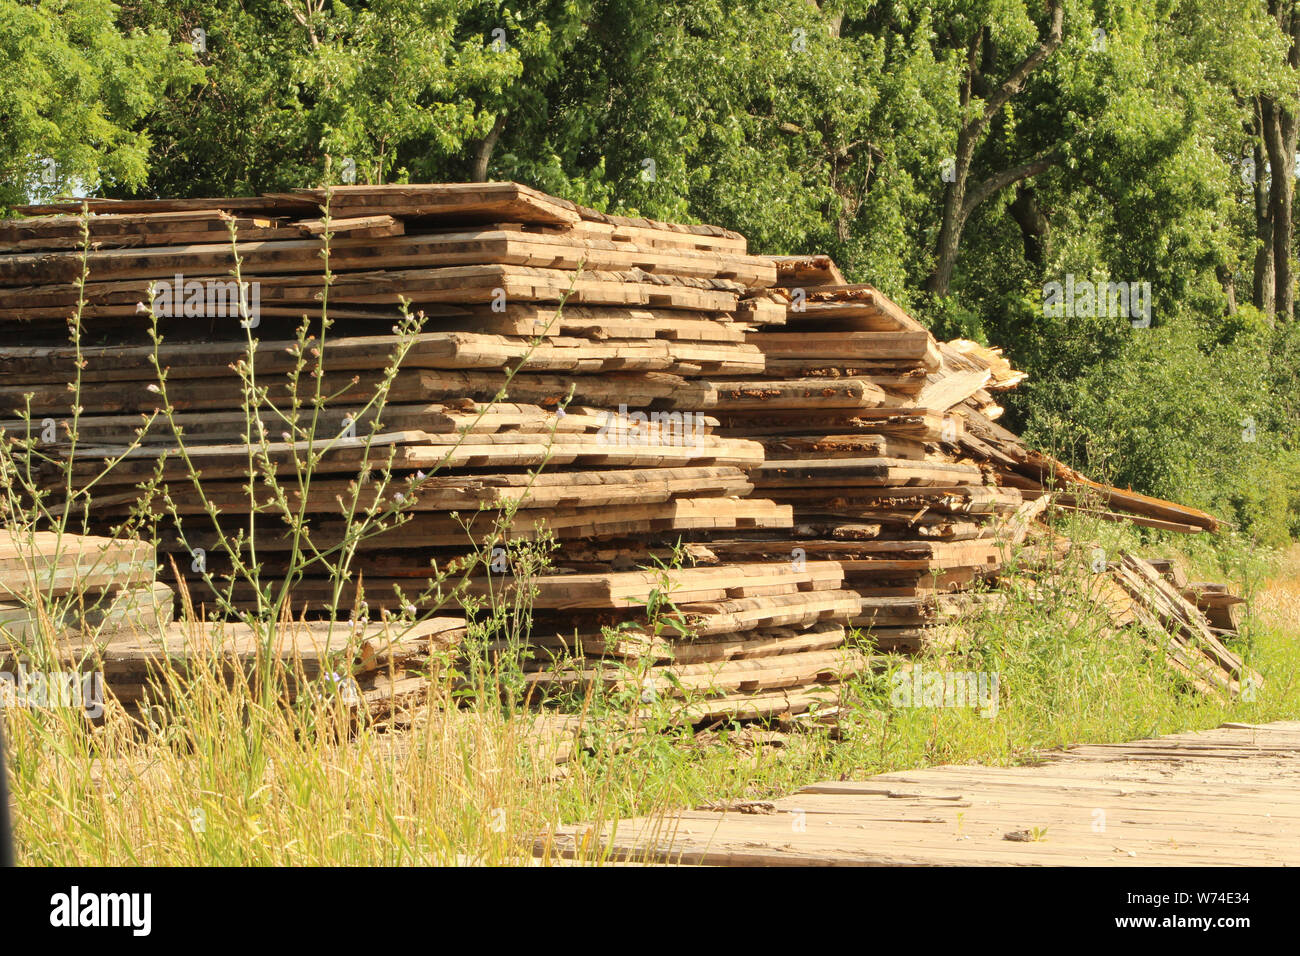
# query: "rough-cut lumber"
133,610
433,350
427,530
44,563
851,307
686,585
502,202
847,472
368,251
802,271
467,493
749,673
919,347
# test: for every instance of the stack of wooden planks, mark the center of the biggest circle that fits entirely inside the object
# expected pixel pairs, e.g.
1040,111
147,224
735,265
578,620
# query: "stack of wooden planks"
562,369
911,486
628,390
91,608
745,640
881,483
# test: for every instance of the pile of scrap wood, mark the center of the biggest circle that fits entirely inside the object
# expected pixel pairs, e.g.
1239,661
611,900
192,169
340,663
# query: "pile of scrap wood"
628,390
1177,618
91,608
880,483
742,640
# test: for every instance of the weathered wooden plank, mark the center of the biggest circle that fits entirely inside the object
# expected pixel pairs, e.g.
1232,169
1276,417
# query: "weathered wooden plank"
51,564
1219,797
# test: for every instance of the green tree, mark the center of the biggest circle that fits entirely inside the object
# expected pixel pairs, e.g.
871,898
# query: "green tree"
74,91
384,91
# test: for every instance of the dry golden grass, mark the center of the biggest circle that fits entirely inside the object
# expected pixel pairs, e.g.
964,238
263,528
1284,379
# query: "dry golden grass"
1278,603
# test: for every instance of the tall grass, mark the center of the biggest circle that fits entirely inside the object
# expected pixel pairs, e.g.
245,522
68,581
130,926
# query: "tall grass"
468,781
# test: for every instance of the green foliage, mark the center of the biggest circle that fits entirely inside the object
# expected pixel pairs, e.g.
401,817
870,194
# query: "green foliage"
1175,415
75,92
300,93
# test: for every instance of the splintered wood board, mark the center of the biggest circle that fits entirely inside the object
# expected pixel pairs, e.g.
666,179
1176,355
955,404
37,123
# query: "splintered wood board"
718,630
426,530
113,231
411,386
457,285
250,205
765,394
803,447
132,666
626,589
952,499
702,235
1213,798
780,419
748,673
850,307
769,641
595,322
548,489
227,427
790,343
802,271
140,610
407,451
862,471
595,591
871,556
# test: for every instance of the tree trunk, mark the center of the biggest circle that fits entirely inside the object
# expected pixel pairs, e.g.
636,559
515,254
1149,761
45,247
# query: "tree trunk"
958,200
483,154
954,218
1262,286
1034,227
1280,141
1228,282
1278,128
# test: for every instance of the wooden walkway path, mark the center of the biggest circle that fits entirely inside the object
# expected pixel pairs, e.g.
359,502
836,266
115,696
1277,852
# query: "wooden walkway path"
1225,796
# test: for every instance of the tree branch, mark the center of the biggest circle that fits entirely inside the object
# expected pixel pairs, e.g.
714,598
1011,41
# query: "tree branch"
1006,177
304,20
1013,83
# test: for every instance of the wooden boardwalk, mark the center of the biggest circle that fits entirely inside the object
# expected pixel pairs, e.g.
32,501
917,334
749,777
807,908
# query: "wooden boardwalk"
1219,797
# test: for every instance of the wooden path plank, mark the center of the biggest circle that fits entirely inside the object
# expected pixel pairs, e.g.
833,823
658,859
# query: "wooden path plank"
1217,797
